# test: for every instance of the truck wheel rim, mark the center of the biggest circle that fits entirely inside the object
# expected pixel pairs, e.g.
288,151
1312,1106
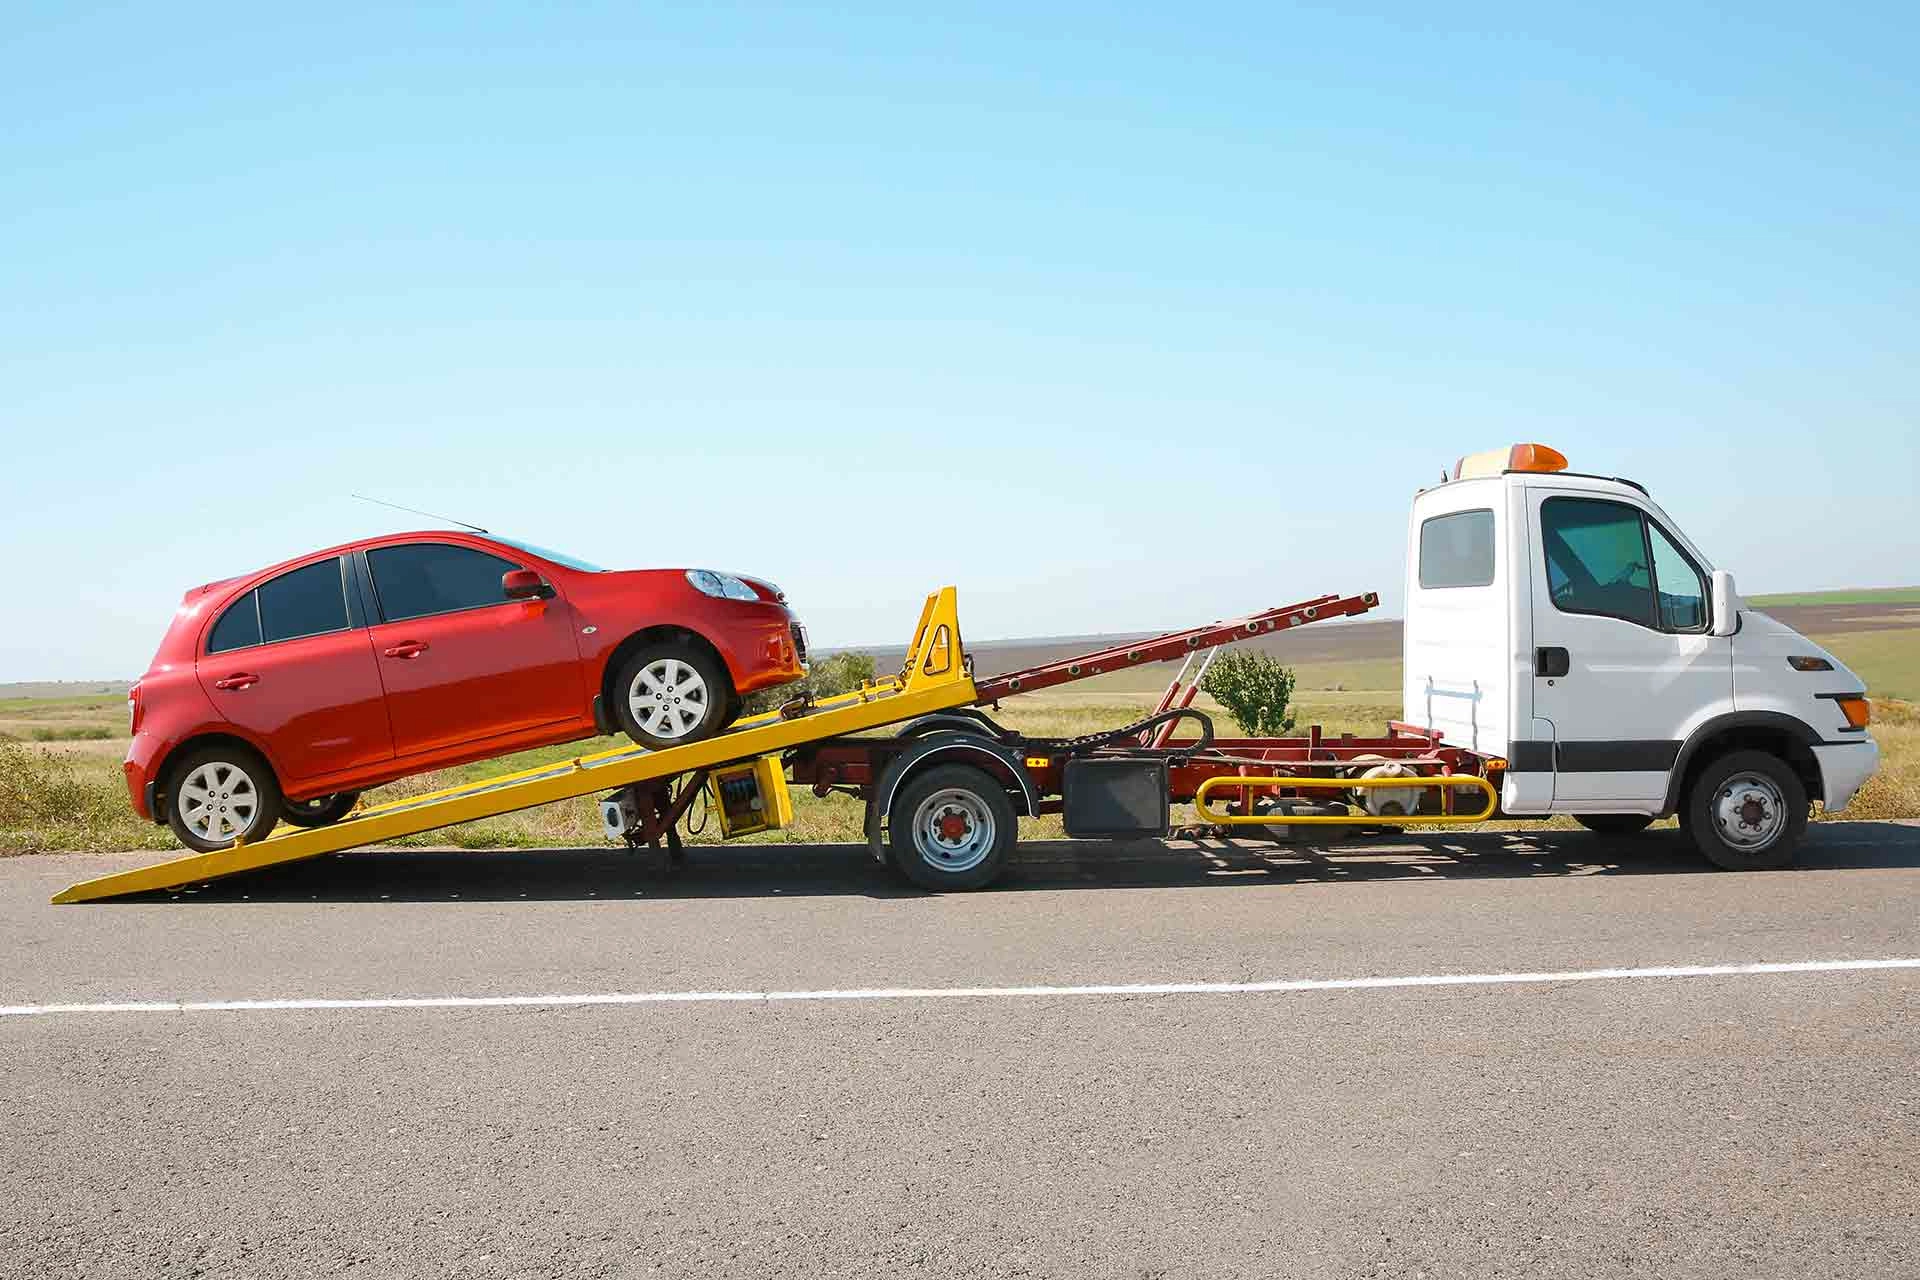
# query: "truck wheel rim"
1749,811
218,801
668,698
953,830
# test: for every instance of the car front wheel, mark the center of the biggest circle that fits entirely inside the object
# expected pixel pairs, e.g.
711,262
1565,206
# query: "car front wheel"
222,794
669,694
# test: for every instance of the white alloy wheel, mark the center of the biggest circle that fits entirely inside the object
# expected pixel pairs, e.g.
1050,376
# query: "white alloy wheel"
668,698
219,801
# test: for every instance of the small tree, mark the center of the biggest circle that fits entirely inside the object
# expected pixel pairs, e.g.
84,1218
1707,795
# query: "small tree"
1255,689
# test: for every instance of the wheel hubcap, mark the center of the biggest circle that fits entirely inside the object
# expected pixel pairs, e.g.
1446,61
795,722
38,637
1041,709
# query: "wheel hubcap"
953,830
668,698
1750,811
218,801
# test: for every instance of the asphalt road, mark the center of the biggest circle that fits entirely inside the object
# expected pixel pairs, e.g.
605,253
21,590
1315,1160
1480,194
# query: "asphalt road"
1752,1125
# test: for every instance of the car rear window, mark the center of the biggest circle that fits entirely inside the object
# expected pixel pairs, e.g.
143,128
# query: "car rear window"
421,578
238,628
305,602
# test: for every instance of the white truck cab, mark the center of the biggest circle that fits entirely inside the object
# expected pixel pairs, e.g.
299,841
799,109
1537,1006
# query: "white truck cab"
1564,623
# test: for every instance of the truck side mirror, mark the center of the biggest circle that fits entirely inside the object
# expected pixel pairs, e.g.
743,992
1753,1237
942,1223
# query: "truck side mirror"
1726,604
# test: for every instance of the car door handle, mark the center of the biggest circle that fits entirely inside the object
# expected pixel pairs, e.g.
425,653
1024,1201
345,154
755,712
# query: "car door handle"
1551,660
238,680
407,649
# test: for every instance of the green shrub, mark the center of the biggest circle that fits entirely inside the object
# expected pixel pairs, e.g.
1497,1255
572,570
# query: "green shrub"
1255,689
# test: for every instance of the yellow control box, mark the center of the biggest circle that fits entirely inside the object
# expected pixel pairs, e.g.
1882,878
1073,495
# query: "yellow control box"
751,797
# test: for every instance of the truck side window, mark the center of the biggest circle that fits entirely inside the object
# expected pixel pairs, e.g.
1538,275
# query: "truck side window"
1683,592
1597,559
1457,550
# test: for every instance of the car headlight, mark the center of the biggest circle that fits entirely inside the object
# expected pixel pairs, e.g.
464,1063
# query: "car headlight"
721,586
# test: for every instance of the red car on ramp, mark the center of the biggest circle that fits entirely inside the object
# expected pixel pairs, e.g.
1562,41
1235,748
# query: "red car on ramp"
285,692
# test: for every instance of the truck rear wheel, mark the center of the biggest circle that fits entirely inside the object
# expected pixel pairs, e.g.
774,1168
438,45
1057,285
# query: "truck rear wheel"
952,828
1747,811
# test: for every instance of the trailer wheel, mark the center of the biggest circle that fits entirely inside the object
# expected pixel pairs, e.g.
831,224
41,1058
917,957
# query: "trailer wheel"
320,811
952,828
1614,824
1747,811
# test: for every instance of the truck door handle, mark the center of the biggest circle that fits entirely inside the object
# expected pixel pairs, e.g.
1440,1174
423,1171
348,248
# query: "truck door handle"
238,680
407,649
1551,660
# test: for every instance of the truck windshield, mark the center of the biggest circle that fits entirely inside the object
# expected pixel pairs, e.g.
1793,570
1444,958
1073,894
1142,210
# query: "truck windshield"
571,562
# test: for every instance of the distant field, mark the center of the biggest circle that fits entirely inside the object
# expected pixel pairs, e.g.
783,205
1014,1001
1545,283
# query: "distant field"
1861,595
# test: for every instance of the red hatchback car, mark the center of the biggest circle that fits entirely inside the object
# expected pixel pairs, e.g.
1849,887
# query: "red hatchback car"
285,693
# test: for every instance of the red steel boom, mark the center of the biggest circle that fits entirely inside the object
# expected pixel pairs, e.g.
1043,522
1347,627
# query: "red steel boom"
1174,644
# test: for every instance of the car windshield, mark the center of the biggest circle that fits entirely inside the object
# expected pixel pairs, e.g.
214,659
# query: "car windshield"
571,562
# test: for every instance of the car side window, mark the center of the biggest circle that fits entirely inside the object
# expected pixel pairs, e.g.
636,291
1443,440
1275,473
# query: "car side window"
309,601
239,626
417,579
1597,559
1682,591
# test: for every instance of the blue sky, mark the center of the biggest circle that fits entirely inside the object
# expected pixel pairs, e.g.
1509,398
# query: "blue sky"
1115,319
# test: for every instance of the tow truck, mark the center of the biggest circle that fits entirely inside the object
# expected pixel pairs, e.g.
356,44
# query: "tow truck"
1567,651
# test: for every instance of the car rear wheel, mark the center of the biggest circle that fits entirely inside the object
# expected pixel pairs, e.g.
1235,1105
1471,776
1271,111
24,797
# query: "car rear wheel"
220,794
320,811
670,694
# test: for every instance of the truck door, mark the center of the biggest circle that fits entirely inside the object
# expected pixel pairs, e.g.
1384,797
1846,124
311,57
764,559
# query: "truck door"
1623,664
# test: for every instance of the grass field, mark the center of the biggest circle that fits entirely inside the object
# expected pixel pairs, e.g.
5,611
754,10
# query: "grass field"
60,786
1861,595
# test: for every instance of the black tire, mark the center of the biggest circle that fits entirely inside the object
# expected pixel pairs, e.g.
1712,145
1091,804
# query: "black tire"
969,828
320,811
1614,824
1747,811
236,784
691,711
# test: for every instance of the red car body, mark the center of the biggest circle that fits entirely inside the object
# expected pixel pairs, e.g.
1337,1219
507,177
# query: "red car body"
379,699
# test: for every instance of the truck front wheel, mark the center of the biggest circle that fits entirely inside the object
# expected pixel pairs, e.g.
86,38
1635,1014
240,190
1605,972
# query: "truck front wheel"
1747,811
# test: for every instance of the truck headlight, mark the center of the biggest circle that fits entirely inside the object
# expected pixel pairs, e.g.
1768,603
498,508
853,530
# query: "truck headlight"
721,586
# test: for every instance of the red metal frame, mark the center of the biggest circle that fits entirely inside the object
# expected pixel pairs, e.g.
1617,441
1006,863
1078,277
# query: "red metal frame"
858,763
1173,644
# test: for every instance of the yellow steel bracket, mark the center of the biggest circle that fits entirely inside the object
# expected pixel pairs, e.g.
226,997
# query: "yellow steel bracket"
1449,781
934,679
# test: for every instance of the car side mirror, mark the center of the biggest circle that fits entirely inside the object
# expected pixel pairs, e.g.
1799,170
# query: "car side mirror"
1726,604
524,584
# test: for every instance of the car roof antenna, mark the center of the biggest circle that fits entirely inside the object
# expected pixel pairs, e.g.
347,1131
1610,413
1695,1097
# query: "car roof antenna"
381,502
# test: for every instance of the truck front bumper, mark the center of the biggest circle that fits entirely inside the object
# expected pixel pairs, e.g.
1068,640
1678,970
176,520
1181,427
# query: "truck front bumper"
1844,769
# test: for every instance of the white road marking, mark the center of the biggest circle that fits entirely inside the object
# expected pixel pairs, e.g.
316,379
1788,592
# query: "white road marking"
962,993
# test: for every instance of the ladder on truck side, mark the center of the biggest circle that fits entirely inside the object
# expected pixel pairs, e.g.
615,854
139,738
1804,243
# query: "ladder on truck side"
936,677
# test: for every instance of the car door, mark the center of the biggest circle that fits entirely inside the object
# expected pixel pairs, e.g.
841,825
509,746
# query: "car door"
291,664
460,662
1623,663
